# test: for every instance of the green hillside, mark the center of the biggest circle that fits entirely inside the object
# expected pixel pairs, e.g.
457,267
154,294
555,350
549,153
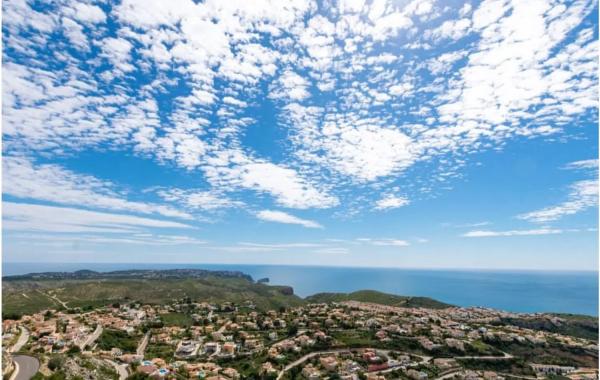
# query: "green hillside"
31,293
581,326
378,297
28,296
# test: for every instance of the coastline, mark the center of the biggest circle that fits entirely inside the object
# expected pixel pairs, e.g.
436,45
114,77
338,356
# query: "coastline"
516,291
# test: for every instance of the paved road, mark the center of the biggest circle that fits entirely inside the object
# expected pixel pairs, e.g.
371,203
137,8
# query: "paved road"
23,338
25,367
333,351
505,356
92,338
120,368
424,359
141,348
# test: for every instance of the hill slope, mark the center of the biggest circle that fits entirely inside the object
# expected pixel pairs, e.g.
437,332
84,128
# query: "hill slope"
29,294
378,297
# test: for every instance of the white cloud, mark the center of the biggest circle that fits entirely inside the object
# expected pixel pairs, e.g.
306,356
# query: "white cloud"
531,232
86,13
383,242
195,199
390,242
366,152
292,86
68,240
469,225
53,183
511,72
443,63
348,88
281,245
583,164
451,29
117,50
401,89
282,217
389,25
31,217
390,202
582,196
331,250
284,184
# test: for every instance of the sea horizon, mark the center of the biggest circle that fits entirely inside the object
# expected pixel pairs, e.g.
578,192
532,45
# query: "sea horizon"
515,290
458,269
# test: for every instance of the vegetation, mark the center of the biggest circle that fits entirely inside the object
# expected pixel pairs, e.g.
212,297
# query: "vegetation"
512,366
378,297
580,326
28,296
116,338
354,338
550,354
177,319
160,350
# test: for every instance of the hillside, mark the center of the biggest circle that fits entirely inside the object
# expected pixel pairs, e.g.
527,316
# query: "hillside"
378,297
581,326
29,294
129,274
26,294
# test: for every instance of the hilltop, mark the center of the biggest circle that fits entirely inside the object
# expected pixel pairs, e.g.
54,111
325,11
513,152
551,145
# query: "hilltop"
87,289
129,274
378,297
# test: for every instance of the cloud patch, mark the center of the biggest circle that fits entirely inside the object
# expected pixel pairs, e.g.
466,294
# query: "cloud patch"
283,217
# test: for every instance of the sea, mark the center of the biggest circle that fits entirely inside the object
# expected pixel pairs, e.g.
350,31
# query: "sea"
517,291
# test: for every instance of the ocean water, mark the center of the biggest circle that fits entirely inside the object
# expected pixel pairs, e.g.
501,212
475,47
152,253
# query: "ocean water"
519,291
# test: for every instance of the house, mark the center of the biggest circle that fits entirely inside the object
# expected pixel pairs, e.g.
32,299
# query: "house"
211,348
311,373
455,343
229,348
267,369
231,373
147,368
416,375
329,363
548,369
187,348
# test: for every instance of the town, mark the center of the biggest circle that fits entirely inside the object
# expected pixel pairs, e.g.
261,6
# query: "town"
191,339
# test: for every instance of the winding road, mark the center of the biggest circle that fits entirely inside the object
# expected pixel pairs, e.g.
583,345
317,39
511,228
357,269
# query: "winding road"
301,360
25,367
23,338
424,359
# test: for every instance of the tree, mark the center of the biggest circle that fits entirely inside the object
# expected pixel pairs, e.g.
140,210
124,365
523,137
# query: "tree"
292,330
55,363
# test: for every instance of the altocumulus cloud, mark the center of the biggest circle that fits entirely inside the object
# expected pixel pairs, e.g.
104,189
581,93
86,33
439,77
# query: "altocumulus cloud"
364,91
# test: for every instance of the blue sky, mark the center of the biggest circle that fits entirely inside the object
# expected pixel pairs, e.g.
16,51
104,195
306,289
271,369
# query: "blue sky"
359,133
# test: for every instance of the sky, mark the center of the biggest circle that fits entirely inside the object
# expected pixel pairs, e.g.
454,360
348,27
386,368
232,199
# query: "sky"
420,133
